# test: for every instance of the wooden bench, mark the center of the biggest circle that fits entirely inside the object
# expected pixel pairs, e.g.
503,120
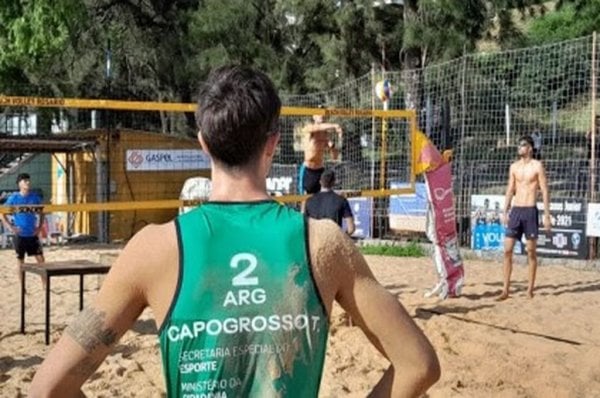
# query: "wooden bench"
59,268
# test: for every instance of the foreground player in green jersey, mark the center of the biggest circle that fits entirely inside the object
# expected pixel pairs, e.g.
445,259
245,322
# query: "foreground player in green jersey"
241,287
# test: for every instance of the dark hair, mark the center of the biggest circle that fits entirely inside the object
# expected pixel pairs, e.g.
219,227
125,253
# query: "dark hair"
327,179
23,176
238,108
527,139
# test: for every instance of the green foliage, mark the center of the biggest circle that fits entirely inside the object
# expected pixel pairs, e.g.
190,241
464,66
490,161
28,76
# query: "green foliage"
32,31
33,38
572,20
412,249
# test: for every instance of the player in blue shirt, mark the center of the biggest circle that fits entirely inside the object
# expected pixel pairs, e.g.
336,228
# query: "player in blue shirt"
26,223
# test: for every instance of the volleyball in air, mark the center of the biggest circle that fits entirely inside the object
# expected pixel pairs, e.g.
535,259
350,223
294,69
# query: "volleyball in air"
383,90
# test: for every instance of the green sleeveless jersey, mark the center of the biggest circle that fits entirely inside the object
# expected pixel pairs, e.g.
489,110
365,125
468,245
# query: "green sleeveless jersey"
246,319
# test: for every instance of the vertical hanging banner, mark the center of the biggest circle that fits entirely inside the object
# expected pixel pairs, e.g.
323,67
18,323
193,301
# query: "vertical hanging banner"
447,257
441,217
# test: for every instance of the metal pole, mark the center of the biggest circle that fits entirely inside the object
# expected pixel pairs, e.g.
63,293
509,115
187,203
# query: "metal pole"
109,115
383,146
554,121
373,129
593,122
428,119
461,158
71,193
507,123
592,241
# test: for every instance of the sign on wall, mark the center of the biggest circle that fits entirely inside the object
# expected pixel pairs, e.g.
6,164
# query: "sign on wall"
166,159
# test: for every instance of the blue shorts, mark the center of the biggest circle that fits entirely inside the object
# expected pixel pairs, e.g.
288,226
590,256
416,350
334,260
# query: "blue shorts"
523,220
310,180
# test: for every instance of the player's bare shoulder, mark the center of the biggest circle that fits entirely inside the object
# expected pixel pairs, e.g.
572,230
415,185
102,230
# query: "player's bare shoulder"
514,167
538,166
151,249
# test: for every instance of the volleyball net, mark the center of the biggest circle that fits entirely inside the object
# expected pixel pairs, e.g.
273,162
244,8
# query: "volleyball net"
106,168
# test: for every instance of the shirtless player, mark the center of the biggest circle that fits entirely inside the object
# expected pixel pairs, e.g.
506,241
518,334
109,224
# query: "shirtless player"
316,144
526,175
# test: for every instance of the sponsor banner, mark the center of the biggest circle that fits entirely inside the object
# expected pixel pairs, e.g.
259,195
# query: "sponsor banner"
442,230
408,212
362,211
282,179
567,238
166,159
439,183
487,222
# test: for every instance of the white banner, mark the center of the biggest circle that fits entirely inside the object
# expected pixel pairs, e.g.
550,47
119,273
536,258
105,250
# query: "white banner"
166,159
593,220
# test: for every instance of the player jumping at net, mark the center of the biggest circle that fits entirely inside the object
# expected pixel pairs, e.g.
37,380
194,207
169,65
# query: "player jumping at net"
526,176
317,143
241,287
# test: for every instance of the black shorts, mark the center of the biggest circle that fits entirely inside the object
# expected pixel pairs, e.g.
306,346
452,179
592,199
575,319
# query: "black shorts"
310,179
523,220
30,245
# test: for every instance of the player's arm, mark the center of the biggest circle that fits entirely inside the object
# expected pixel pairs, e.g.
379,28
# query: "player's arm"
545,195
95,331
41,217
347,215
510,191
350,226
5,220
389,327
314,128
333,151
332,126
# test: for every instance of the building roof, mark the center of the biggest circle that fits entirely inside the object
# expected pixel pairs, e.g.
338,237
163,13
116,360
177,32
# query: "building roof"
46,144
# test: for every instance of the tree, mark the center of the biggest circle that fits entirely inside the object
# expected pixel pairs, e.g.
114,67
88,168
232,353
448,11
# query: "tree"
570,20
32,35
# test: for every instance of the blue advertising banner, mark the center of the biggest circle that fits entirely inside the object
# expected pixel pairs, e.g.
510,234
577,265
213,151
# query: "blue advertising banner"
487,224
362,210
408,212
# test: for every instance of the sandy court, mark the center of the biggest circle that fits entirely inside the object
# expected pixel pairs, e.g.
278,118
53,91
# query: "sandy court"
545,347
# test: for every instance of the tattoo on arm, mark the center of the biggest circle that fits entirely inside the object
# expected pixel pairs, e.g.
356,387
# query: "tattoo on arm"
88,330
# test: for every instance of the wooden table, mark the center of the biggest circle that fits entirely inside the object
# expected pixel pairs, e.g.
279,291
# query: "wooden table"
58,268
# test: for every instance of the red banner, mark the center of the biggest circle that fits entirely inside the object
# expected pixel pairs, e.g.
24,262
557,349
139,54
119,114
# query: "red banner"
442,232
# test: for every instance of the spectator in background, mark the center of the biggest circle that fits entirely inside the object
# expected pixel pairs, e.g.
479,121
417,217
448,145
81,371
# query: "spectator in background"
25,224
328,204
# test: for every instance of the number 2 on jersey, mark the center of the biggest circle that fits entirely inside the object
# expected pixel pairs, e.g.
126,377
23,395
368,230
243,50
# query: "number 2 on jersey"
244,278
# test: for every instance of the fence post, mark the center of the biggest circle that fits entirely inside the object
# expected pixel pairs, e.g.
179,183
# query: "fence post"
461,158
592,241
